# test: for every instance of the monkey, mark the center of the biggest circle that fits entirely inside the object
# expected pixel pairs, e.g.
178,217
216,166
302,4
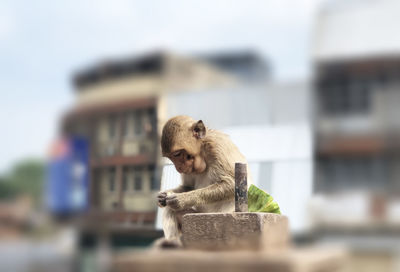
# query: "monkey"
205,158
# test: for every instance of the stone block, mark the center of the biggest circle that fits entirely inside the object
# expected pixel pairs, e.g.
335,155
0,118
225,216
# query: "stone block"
235,231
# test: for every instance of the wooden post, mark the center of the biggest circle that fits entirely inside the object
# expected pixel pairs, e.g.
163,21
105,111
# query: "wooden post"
241,187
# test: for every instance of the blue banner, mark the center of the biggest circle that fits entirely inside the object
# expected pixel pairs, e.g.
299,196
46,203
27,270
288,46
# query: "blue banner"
68,176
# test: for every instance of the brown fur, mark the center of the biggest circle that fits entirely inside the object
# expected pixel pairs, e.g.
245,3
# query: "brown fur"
205,158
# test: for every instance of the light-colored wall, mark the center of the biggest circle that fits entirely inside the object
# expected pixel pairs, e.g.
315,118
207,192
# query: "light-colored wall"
266,104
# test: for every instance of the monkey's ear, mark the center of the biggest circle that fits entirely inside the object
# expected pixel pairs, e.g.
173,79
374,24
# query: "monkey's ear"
199,130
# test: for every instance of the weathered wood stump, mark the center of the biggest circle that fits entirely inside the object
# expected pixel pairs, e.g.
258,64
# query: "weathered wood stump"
241,204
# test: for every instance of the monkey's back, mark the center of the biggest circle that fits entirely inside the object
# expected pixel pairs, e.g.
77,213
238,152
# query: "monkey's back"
222,156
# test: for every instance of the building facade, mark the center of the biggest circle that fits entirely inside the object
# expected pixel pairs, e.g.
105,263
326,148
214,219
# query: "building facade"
357,83
119,109
357,132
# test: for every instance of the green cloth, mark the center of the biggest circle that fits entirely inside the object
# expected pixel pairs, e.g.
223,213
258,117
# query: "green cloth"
260,201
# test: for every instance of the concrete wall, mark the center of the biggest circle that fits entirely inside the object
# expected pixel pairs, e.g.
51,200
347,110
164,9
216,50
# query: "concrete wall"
269,104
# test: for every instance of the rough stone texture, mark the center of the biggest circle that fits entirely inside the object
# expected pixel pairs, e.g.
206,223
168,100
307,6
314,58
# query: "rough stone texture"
241,204
300,260
235,231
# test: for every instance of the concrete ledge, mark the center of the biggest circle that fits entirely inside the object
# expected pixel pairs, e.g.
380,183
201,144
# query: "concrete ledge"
300,260
235,231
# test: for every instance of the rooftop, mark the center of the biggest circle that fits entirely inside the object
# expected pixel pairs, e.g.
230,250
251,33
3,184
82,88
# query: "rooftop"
244,65
152,63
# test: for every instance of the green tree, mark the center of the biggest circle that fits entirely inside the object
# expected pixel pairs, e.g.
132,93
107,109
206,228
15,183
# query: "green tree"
7,190
26,177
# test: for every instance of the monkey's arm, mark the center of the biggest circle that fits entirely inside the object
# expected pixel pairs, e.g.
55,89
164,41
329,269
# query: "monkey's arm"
215,192
186,185
181,189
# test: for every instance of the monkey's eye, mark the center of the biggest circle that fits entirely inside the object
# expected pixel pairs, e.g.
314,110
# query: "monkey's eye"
177,153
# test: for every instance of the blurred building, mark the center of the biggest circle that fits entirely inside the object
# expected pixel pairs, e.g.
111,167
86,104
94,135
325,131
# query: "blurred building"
356,129
119,108
122,104
357,77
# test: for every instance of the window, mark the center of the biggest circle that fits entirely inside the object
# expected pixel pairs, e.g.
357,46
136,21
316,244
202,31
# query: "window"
111,179
352,173
138,123
125,126
143,148
137,179
154,184
112,126
345,96
125,180
151,121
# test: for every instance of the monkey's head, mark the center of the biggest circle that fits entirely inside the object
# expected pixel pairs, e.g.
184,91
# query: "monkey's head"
181,142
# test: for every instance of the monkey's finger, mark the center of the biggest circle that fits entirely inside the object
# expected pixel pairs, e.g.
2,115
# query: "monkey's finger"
162,194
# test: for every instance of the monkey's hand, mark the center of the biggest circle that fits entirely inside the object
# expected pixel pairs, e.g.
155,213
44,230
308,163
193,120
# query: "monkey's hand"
178,201
162,199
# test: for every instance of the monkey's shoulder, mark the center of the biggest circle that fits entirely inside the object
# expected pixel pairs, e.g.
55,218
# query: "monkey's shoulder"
220,148
217,141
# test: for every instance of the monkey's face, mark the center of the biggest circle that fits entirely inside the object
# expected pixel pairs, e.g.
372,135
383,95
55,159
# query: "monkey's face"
181,142
186,163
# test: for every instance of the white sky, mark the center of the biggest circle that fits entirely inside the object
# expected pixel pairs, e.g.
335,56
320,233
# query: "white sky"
43,42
